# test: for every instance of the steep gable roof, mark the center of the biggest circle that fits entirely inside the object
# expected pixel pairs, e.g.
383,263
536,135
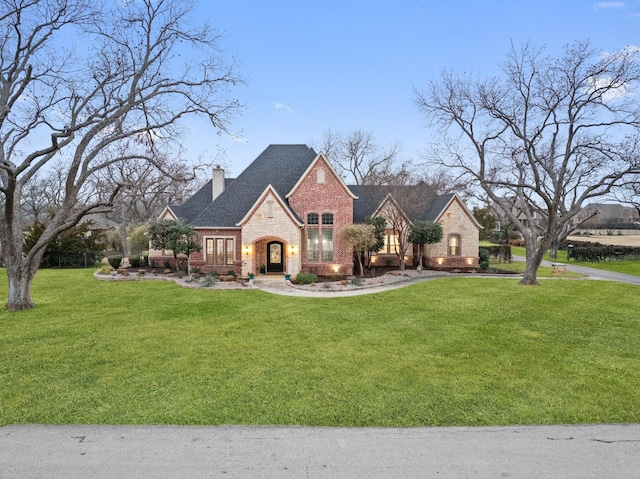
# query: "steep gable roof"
419,202
332,171
278,165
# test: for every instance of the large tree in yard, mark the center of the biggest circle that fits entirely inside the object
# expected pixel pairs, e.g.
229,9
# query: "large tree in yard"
86,86
543,138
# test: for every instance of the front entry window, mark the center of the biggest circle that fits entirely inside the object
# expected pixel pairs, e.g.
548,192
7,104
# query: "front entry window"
275,261
275,253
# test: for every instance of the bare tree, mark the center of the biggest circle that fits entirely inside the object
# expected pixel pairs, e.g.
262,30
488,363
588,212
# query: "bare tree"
629,192
139,71
144,189
358,158
401,206
361,238
550,133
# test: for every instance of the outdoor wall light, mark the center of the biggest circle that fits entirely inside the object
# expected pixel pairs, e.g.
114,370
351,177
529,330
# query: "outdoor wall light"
247,249
293,250
440,260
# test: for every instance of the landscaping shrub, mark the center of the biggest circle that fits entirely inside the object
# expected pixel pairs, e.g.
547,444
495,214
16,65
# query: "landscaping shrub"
209,281
597,252
306,278
135,261
483,255
104,269
115,261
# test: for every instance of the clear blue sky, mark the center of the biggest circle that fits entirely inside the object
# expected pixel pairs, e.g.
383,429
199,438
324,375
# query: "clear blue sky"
351,64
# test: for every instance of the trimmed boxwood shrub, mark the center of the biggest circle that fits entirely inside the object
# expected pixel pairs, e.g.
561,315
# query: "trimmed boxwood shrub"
306,278
483,255
115,261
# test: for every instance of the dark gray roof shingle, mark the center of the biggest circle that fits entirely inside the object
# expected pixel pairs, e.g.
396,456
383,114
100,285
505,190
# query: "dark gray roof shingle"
281,166
419,202
278,165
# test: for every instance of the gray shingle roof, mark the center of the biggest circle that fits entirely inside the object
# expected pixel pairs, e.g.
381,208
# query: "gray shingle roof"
281,166
278,165
419,202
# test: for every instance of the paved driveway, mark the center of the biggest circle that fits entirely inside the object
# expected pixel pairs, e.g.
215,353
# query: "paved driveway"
593,273
70,452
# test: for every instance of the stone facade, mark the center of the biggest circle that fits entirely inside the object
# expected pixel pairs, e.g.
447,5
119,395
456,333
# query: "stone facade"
270,221
457,222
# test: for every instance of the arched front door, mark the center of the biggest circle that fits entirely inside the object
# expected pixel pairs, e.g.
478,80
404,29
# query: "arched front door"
275,257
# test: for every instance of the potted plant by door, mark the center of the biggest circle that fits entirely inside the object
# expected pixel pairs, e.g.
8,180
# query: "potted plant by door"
263,268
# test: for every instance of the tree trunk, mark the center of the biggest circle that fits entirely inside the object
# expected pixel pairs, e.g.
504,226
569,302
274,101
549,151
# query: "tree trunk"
360,263
533,261
20,276
122,229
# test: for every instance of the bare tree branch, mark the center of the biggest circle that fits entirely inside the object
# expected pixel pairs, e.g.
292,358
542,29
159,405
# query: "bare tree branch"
543,138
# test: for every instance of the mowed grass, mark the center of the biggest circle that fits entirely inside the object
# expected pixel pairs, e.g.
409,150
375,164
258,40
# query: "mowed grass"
458,351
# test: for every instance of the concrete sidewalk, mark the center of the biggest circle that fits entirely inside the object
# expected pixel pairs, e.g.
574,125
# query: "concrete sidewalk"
592,273
576,451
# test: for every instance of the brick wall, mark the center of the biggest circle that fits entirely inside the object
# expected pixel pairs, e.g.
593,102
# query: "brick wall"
328,196
198,260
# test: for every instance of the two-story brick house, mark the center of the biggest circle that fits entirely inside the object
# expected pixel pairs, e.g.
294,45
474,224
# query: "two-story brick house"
284,212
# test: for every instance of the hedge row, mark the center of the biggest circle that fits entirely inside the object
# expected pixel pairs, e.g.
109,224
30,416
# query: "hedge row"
597,252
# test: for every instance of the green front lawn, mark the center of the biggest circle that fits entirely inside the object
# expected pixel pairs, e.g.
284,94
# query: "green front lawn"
456,351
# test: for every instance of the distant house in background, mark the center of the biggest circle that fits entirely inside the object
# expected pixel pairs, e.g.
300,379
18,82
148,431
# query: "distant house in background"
513,204
606,215
284,212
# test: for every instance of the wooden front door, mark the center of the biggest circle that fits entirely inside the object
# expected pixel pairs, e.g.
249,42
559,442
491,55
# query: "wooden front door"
275,260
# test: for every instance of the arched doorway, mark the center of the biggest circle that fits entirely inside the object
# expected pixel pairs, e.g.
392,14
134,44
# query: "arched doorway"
275,257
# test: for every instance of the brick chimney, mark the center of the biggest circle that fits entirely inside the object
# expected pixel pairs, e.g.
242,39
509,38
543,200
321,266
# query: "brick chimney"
217,183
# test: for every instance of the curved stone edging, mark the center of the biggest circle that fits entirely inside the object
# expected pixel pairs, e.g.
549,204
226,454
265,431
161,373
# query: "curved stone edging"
177,281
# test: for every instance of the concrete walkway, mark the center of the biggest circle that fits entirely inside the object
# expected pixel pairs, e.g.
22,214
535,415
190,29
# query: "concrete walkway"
79,452
592,273
276,284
